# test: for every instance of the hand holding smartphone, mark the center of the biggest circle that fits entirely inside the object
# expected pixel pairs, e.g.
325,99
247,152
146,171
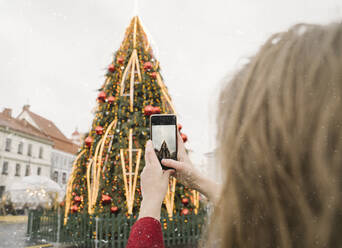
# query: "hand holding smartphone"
163,129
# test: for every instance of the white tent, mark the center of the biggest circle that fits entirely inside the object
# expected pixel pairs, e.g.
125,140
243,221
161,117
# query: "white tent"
32,192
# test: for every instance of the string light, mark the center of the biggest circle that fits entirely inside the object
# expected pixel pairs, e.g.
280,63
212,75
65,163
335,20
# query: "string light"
107,154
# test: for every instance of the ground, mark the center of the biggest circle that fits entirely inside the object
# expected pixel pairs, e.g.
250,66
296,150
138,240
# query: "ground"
13,233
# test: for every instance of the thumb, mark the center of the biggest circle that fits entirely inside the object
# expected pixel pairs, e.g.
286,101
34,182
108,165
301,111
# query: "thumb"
174,164
167,174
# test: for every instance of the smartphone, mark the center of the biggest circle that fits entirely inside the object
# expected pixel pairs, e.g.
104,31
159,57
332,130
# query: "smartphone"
164,136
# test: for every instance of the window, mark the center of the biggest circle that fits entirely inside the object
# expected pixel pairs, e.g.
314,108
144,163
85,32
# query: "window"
28,170
29,150
2,190
41,152
55,176
17,170
56,160
39,171
5,168
20,148
64,178
8,145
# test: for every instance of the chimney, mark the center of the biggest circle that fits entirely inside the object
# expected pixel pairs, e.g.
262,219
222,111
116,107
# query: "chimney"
26,107
7,112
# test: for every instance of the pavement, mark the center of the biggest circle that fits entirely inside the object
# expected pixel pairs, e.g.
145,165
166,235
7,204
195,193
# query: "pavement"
13,233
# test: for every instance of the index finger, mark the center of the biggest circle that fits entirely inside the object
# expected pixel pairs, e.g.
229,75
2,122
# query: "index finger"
150,155
181,147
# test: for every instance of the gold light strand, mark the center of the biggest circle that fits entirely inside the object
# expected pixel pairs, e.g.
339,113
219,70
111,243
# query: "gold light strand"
196,200
124,176
98,165
69,187
135,32
136,175
129,188
131,89
122,84
91,165
130,158
162,87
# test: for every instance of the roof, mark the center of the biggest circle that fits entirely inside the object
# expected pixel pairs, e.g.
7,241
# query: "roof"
51,130
64,146
47,126
75,133
21,126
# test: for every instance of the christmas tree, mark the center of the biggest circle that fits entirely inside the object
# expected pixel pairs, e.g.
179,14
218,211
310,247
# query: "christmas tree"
105,176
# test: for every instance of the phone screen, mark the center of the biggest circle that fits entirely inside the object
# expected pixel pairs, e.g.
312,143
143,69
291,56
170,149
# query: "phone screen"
164,136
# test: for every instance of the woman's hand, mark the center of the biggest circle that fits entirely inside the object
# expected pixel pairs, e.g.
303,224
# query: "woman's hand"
185,173
189,176
154,183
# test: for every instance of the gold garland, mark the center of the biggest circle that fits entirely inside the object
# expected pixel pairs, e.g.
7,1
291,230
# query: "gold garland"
170,196
69,187
196,200
96,164
163,89
89,183
129,188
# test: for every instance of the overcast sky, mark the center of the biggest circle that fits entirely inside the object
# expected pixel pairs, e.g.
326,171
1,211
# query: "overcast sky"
54,53
165,133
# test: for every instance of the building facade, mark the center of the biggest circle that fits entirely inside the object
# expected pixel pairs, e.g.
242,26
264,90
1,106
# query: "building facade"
61,166
63,150
24,150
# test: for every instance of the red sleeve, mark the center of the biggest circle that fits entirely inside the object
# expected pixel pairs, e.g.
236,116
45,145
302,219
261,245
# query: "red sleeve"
146,232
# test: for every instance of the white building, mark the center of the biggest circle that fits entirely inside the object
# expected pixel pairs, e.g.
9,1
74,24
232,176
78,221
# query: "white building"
63,150
24,150
76,137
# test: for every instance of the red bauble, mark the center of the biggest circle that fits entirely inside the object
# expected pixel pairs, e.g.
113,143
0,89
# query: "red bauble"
148,110
101,96
185,211
120,60
184,137
154,75
185,201
62,204
110,99
99,130
179,127
88,141
73,193
106,198
147,66
111,68
114,209
156,110
77,198
74,208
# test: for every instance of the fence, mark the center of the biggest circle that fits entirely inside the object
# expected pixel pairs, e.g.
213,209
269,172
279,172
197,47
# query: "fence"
108,230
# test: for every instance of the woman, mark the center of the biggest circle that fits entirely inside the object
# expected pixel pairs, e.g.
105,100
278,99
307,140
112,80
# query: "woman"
280,139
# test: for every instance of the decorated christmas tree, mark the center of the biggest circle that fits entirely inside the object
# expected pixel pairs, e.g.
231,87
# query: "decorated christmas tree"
105,176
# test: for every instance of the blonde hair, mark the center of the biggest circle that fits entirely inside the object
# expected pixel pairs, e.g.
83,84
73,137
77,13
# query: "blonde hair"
280,140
